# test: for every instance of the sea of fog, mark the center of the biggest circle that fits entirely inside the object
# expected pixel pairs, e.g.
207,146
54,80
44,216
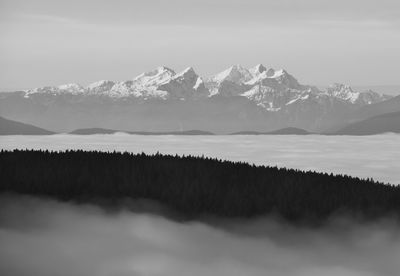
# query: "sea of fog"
48,238
376,156
44,237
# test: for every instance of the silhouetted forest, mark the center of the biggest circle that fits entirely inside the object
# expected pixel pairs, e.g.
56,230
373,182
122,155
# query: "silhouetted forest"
194,186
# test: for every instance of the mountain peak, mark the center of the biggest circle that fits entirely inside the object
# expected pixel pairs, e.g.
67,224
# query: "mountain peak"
100,86
343,92
100,83
257,70
236,67
155,77
341,86
185,85
233,69
70,86
156,72
189,71
236,74
279,73
165,69
270,72
73,88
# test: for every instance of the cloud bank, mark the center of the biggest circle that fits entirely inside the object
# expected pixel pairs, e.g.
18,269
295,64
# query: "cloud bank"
42,237
373,156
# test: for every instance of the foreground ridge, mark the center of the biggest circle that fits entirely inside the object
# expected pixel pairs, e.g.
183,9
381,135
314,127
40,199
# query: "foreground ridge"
194,186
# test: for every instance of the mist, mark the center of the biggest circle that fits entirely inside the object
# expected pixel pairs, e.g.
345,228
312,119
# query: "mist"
45,237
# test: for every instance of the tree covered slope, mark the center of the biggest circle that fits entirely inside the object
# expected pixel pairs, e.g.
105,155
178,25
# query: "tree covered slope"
194,186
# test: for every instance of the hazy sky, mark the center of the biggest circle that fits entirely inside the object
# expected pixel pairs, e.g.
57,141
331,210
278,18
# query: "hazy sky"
46,42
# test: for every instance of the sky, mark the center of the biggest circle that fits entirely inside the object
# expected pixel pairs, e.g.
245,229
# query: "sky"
51,42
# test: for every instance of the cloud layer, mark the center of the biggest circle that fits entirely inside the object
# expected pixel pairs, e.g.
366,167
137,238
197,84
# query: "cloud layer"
41,237
373,156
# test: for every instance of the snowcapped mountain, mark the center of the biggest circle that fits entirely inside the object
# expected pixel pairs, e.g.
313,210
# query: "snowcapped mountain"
156,77
346,93
235,99
257,70
269,88
276,89
71,88
161,83
100,86
230,82
236,74
185,85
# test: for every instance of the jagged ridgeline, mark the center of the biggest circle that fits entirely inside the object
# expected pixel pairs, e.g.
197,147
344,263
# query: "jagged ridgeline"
238,99
194,186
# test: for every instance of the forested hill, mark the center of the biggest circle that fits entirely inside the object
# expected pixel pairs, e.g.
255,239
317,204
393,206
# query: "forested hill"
194,186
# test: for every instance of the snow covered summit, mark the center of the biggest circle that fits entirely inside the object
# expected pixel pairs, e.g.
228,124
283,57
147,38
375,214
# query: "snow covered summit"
271,89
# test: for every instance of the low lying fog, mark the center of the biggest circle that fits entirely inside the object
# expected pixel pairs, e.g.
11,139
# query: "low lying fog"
375,156
43,237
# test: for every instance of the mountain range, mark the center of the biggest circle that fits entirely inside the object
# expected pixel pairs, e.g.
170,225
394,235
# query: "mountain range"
238,99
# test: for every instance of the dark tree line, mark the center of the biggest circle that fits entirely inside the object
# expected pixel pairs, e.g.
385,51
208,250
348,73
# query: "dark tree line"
194,185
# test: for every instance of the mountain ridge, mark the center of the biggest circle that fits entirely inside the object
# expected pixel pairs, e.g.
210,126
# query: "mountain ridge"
11,127
383,123
165,83
91,131
237,99
282,131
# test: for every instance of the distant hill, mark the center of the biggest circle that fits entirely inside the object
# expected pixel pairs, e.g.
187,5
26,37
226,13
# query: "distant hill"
10,127
90,131
187,132
289,131
282,131
389,122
